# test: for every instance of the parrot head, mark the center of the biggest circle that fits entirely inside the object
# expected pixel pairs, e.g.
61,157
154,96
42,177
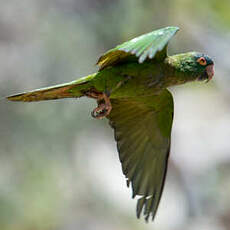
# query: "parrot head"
205,67
196,65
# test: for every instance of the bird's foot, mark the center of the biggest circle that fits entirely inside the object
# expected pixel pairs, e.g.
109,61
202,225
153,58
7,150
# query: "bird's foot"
104,107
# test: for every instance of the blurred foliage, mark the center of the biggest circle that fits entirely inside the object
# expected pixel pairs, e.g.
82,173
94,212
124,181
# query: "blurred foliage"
59,168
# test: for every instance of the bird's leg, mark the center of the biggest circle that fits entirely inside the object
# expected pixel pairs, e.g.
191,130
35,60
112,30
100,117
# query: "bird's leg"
104,106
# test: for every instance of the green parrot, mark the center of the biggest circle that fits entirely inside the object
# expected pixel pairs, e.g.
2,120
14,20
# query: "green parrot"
130,88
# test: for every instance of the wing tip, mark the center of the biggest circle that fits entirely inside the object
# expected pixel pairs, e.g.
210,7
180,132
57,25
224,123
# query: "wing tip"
172,30
176,28
149,208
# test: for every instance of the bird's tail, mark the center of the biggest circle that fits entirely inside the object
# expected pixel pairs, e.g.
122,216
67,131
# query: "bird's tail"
72,89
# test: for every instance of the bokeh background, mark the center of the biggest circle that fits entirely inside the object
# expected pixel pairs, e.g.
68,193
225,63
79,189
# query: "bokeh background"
59,168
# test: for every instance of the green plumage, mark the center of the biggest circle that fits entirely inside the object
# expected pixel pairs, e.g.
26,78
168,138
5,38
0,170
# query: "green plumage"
142,130
132,81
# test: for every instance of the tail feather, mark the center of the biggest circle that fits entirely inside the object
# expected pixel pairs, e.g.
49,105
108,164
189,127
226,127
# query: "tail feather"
68,90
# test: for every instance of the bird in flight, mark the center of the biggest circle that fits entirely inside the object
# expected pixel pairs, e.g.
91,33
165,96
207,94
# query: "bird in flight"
130,88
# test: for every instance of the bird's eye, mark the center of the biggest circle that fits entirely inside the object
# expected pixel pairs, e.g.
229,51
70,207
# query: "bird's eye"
202,61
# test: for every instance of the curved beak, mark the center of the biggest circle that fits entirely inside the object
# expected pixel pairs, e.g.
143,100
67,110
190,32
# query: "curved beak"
210,71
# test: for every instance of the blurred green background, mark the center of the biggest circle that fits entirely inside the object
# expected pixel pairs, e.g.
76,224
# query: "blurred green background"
59,168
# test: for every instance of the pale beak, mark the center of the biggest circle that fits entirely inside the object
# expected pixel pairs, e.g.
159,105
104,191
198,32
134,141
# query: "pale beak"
210,71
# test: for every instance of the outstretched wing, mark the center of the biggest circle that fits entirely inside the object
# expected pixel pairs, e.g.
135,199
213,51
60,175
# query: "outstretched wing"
142,47
142,129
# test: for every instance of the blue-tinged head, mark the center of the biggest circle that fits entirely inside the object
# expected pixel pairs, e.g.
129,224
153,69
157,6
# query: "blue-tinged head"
198,65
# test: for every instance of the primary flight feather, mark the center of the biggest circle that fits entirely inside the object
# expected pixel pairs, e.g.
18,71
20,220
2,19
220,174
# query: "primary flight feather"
131,91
